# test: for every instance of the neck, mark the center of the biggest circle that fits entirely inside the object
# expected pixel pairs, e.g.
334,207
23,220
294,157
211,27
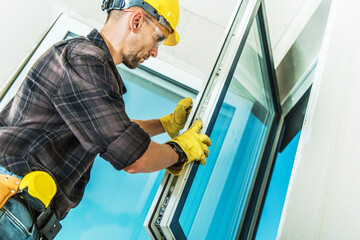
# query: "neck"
114,41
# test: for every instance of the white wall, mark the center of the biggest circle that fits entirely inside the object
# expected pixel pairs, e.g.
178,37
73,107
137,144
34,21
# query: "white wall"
286,19
24,22
323,196
202,27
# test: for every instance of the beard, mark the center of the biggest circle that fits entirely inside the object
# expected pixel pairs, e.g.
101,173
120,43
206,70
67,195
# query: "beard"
132,59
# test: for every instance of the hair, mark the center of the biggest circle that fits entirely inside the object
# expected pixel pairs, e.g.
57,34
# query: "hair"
114,14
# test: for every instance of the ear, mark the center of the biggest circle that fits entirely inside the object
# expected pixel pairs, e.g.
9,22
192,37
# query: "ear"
136,21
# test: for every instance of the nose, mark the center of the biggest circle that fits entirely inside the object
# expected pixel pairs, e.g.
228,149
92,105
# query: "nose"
154,52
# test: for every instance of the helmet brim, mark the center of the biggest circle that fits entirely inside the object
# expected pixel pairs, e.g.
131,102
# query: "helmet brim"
172,39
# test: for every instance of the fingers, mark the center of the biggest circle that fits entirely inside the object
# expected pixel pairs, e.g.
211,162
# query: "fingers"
197,125
195,145
205,142
205,139
186,102
184,105
182,111
204,145
203,154
188,111
202,160
205,150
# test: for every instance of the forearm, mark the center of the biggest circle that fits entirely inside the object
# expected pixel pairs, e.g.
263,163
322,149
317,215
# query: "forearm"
153,126
155,158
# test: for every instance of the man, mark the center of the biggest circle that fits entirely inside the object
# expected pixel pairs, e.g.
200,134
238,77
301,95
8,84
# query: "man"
70,108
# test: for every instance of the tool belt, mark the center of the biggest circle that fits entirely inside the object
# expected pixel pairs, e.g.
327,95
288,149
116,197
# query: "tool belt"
37,189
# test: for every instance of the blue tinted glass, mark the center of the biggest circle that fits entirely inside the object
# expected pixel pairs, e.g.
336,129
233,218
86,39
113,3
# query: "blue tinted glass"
116,203
218,195
204,172
70,35
274,202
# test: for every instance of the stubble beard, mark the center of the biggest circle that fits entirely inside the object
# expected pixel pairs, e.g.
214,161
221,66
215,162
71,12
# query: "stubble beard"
131,61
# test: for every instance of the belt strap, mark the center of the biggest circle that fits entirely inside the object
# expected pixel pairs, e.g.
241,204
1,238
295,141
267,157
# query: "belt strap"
9,186
48,224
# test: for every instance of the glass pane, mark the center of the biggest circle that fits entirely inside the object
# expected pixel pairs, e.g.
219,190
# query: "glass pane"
217,198
116,203
275,198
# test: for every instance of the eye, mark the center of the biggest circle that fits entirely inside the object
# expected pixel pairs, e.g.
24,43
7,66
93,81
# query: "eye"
160,39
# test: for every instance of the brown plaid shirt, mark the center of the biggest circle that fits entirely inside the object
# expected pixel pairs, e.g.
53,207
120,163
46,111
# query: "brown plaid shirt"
69,109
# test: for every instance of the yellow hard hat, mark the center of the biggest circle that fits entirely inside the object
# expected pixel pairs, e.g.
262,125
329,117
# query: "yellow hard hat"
170,10
167,12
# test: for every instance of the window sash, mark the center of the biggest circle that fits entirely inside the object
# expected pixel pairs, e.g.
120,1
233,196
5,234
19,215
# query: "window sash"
163,217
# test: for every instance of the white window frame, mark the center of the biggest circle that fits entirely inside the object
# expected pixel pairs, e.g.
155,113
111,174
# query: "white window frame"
162,220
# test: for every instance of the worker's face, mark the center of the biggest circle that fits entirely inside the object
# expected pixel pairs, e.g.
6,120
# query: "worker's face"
145,44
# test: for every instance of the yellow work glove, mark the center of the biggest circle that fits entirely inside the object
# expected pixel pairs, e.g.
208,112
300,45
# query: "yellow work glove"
194,145
175,121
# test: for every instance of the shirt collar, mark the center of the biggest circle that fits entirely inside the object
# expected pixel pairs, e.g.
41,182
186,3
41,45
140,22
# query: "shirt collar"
95,37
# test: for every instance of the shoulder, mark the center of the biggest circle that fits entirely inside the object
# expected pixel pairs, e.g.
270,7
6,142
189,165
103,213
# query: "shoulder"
82,47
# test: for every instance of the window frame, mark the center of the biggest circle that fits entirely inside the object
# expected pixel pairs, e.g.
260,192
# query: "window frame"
289,105
163,218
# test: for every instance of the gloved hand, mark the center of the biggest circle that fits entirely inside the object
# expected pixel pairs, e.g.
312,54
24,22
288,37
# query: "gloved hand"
175,121
194,145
